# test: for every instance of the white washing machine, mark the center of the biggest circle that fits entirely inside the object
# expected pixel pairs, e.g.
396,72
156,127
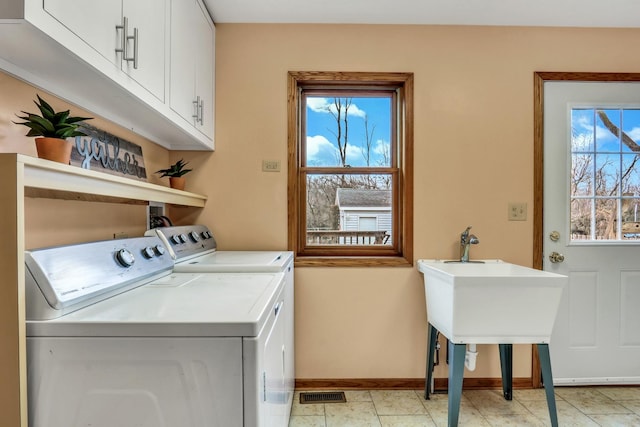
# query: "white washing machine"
194,249
116,338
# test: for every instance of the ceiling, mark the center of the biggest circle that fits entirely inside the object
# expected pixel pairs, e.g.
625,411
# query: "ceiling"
566,13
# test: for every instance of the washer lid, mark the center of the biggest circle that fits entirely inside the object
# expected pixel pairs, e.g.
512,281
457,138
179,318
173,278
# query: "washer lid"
180,304
237,261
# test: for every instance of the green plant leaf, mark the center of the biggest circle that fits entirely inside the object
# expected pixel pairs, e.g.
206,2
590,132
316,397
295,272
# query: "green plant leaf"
45,108
77,119
46,124
60,117
35,127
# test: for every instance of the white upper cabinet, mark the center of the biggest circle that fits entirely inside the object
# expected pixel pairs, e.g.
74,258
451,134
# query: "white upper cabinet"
92,21
146,21
192,64
129,33
114,58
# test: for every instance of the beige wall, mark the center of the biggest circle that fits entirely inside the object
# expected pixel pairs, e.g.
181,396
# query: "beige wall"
473,155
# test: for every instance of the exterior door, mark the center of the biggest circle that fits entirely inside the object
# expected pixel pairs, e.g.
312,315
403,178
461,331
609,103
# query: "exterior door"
591,211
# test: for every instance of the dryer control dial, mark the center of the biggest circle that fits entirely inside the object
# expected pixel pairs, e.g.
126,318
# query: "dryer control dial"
148,252
125,258
194,236
176,239
160,250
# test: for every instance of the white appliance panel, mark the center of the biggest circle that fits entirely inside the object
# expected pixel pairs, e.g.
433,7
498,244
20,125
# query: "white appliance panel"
236,261
266,399
180,304
135,382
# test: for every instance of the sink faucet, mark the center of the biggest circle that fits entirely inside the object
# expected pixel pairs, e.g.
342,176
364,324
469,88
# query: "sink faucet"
466,240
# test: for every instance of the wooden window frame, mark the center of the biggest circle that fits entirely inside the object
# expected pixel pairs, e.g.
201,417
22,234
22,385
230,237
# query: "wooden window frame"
401,252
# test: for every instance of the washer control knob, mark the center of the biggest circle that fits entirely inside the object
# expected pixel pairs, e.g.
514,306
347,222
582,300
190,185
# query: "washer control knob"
176,239
125,258
183,238
148,252
204,235
194,236
160,250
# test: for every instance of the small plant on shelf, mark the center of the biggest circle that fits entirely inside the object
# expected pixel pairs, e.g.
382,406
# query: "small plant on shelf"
176,173
53,128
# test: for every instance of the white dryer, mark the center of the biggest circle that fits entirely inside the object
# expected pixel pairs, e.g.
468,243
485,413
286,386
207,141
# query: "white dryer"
116,338
194,249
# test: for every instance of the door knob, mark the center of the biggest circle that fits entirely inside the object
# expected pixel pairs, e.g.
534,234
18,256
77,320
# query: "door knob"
555,257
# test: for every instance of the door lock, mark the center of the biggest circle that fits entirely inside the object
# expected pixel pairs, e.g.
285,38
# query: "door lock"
554,236
555,257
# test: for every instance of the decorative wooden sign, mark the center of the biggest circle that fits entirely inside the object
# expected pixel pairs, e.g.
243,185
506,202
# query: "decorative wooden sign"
101,151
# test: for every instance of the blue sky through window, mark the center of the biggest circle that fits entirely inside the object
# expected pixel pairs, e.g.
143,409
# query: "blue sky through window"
583,120
321,127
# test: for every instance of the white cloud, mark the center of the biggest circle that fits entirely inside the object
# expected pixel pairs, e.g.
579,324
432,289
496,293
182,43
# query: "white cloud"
320,151
316,144
634,134
323,105
319,105
381,147
602,133
355,111
355,155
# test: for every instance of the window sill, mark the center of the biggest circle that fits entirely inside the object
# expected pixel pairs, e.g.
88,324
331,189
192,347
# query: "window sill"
352,262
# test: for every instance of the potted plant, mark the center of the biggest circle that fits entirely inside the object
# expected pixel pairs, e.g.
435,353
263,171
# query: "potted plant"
175,173
54,129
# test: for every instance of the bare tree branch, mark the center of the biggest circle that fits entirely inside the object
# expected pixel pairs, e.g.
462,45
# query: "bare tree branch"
626,139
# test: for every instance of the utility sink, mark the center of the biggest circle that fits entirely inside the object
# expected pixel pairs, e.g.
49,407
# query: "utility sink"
493,302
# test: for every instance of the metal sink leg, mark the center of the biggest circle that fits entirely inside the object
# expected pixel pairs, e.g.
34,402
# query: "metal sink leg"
506,365
456,372
547,379
431,348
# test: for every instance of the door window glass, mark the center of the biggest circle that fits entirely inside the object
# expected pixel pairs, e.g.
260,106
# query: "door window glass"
605,174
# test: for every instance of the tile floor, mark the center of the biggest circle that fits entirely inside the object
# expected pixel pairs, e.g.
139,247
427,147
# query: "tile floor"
577,406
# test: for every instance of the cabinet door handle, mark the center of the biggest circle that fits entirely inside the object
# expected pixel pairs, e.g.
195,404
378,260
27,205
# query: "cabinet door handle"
123,38
201,111
134,58
196,105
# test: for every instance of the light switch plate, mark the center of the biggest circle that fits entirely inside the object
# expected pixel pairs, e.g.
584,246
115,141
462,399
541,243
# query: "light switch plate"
517,211
271,166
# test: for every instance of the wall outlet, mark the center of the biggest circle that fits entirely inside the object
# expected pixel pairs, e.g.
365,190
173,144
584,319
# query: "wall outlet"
517,211
271,166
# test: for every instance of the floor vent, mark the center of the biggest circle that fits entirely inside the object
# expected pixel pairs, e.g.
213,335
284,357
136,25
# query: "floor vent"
323,397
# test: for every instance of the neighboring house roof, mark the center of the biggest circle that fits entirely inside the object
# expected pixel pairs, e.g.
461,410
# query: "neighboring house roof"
351,197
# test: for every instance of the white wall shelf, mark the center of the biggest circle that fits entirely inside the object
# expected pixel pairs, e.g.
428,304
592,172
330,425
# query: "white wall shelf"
43,178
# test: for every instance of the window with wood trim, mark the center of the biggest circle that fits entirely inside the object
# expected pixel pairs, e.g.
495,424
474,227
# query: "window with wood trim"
351,168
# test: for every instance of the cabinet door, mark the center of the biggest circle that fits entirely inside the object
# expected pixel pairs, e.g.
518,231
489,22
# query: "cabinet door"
93,21
192,63
183,52
149,18
205,70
